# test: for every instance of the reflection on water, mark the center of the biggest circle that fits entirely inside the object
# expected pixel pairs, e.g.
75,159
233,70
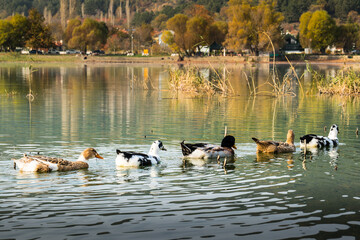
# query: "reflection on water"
296,195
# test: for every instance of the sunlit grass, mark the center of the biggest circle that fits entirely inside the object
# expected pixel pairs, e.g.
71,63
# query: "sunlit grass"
17,57
191,81
345,82
9,93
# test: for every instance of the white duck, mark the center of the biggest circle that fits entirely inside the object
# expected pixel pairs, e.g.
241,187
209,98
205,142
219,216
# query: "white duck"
40,163
135,159
315,141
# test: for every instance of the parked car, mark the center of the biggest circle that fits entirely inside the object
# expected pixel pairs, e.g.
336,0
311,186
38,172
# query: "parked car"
53,52
97,52
34,51
355,52
72,51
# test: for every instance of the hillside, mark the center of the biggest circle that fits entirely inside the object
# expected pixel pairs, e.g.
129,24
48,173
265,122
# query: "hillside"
291,9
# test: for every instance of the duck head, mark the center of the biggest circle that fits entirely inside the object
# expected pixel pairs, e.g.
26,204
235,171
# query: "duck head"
90,153
155,147
290,137
334,130
228,141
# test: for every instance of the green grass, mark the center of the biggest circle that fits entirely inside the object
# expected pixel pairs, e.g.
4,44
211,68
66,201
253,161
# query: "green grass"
17,57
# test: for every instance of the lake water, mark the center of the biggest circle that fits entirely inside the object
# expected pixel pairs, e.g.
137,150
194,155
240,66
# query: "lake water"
127,107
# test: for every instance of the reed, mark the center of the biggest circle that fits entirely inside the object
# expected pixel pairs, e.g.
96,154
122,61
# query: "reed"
345,82
280,86
190,80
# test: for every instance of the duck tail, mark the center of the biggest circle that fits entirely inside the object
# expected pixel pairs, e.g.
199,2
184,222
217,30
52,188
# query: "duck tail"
14,164
185,149
255,140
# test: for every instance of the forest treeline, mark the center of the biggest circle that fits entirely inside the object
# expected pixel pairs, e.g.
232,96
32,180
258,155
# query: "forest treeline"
118,25
291,9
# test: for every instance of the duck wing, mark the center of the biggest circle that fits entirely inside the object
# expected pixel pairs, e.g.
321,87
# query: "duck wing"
188,148
142,159
307,138
266,146
44,159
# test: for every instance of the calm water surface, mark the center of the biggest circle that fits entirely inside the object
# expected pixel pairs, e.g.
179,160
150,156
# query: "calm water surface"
127,107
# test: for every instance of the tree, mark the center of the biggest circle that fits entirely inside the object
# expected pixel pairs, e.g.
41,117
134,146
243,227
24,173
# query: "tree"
5,34
251,26
144,34
217,32
159,21
303,27
20,31
319,29
348,36
73,23
178,25
39,35
197,33
142,18
90,34
292,9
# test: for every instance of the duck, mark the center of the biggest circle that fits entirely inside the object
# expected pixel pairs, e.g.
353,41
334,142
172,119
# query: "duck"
205,150
276,147
40,164
316,141
135,159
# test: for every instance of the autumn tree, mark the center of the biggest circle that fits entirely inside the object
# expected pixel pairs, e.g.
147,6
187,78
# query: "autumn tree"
217,32
73,23
317,29
159,22
251,26
91,34
197,32
347,36
176,39
39,35
143,34
5,34
20,31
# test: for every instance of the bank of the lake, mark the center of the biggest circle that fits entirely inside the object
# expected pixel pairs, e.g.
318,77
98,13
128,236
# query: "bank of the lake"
16,57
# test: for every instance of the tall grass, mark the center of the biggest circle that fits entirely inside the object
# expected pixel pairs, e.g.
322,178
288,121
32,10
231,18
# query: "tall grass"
190,80
280,86
345,82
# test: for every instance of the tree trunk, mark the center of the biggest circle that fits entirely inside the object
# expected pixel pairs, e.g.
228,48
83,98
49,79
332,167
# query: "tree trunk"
120,10
63,12
111,12
71,9
83,10
127,10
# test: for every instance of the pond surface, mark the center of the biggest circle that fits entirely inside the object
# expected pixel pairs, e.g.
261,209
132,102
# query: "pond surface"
127,107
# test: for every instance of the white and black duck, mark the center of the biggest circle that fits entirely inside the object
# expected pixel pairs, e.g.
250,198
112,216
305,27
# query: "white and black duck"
315,141
205,150
135,159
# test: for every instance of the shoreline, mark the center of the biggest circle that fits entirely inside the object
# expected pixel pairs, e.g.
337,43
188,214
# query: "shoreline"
113,59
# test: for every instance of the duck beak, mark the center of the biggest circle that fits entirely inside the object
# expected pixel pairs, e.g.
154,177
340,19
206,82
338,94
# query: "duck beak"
164,149
234,147
98,156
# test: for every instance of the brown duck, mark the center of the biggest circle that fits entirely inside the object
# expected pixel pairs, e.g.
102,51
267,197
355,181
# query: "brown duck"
40,163
276,147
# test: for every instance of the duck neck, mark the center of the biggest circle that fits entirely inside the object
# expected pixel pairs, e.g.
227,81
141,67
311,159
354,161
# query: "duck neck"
82,158
332,135
154,151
